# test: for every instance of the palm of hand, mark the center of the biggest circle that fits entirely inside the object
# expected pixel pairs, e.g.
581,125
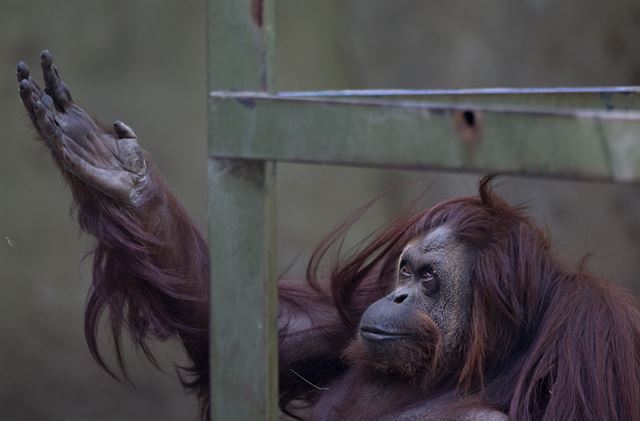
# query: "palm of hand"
110,161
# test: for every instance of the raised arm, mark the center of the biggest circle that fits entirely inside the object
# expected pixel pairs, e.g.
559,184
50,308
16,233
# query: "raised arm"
150,269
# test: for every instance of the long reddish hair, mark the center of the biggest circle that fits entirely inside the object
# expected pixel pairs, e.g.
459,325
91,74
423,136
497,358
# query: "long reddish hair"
547,342
153,282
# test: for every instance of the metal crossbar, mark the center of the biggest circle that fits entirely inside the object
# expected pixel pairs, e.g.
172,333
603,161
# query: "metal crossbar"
580,133
478,132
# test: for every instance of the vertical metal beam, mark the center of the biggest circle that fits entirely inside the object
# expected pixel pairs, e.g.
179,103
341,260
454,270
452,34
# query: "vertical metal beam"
244,365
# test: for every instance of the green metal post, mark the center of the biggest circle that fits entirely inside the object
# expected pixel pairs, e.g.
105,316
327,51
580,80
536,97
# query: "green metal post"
244,369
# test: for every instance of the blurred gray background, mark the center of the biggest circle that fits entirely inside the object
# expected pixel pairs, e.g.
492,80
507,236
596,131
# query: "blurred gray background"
144,62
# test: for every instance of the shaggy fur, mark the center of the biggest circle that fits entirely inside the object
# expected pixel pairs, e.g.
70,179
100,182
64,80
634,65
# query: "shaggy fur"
151,275
546,342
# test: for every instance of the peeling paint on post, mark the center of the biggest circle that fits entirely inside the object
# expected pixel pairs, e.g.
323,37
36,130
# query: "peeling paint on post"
243,356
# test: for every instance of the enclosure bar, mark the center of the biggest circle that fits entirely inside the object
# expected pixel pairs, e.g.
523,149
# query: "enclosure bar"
243,304
606,98
622,98
558,142
467,91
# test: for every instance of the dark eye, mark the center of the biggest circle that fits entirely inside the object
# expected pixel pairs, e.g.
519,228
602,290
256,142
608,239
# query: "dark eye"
405,270
427,273
429,280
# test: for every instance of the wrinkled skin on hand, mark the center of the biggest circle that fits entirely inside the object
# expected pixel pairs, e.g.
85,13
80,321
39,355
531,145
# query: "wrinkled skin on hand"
109,161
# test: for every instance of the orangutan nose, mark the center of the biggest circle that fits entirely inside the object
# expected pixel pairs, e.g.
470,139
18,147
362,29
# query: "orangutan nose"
400,297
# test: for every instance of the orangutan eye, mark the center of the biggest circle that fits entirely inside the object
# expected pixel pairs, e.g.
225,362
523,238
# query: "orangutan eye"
405,270
429,280
427,273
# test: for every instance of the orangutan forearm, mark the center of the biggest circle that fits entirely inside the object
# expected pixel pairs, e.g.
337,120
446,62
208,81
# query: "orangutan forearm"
150,269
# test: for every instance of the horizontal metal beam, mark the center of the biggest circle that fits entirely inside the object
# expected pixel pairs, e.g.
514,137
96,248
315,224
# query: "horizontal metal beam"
612,98
402,132
621,98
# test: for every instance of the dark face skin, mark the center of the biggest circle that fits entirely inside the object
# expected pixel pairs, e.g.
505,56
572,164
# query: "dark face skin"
432,299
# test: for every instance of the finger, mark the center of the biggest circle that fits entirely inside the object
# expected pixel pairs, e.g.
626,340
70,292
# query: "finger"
29,98
23,73
55,87
45,122
26,93
39,109
29,87
123,131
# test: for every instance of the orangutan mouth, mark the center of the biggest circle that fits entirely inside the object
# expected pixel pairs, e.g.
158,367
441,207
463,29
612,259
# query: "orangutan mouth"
372,334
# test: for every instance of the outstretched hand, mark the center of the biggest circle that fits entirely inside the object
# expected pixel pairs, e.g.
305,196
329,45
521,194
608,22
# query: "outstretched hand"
109,161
